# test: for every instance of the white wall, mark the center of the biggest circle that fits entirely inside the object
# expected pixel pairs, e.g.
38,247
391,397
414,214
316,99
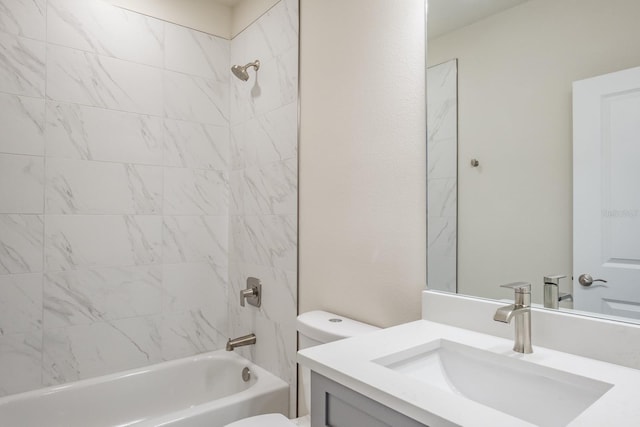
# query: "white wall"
202,15
246,12
515,71
362,247
210,16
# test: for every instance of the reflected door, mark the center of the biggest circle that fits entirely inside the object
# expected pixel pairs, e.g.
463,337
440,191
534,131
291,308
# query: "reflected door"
606,181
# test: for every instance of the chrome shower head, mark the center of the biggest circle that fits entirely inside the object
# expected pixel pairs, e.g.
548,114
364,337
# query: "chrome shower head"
241,71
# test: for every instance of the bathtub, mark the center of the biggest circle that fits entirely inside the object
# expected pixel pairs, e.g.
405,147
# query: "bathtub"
201,391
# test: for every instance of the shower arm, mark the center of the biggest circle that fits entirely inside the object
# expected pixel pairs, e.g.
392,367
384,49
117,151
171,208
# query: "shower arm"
255,64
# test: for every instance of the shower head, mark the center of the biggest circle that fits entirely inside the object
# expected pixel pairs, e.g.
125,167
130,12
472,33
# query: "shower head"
241,71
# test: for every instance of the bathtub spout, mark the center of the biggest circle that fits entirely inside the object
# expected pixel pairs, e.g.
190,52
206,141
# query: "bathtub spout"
240,341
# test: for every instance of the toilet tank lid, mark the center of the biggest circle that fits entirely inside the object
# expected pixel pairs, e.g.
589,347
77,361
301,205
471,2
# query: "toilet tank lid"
327,327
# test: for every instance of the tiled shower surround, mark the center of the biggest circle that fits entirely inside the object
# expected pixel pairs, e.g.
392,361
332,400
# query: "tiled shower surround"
139,184
442,172
263,209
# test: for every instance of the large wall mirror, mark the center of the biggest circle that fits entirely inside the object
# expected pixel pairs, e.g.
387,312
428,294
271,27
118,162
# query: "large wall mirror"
534,150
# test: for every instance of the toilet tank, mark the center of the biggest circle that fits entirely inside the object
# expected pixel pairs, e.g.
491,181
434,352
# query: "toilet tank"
320,327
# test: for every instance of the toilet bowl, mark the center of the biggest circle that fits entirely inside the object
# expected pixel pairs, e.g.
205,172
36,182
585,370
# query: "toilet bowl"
268,420
272,420
315,328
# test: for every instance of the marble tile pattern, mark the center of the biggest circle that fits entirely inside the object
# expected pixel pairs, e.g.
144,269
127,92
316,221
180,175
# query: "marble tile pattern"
24,18
263,185
78,77
22,65
28,171
97,27
22,123
21,244
189,238
442,170
99,294
86,187
87,133
196,145
140,185
20,362
115,162
20,303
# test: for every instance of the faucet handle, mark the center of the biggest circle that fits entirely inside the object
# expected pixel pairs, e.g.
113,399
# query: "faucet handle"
253,293
553,280
519,287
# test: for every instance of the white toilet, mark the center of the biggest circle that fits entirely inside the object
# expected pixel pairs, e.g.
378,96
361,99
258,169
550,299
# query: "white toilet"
315,328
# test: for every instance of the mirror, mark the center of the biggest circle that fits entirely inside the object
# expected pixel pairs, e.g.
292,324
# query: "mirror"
533,147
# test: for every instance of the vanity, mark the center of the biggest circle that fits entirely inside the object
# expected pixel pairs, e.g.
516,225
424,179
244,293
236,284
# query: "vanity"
430,373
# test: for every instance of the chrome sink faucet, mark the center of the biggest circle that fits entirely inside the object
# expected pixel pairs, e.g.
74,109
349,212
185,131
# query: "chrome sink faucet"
521,310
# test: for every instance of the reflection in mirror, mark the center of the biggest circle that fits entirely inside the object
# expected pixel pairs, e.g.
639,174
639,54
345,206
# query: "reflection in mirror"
548,140
442,170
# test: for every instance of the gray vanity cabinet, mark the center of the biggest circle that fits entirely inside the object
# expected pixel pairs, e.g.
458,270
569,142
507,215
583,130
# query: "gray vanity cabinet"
334,405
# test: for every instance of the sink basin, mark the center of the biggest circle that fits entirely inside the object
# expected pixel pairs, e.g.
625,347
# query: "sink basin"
537,394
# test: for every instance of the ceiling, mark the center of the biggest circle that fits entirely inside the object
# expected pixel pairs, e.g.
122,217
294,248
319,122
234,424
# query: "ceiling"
448,15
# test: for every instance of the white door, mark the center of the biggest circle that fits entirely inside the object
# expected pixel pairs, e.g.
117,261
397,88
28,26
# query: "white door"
606,193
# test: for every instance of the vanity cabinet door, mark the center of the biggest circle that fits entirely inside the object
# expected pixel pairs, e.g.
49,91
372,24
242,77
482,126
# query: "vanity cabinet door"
334,405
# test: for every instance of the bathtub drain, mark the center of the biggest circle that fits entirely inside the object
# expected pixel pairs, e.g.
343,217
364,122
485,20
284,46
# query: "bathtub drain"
246,374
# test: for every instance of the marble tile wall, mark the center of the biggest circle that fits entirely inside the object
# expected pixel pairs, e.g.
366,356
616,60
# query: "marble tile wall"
115,158
442,170
263,182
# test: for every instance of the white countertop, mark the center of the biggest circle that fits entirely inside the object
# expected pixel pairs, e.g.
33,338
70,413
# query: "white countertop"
350,362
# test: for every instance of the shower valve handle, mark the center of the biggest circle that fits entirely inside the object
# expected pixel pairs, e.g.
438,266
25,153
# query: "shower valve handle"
252,294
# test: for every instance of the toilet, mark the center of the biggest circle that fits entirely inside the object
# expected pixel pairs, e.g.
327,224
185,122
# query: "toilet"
315,328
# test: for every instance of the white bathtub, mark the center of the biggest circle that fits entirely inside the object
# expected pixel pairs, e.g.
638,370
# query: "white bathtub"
201,391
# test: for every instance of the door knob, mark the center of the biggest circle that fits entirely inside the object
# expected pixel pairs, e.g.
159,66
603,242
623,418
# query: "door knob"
587,280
